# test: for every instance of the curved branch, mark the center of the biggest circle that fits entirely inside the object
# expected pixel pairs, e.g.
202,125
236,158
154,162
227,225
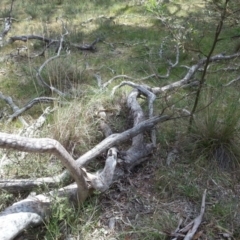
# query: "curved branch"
29,105
47,145
192,70
14,107
31,211
103,179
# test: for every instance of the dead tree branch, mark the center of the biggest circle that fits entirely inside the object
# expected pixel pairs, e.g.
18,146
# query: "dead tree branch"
171,66
197,221
100,180
23,185
18,111
192,70
187,79
30,105
107,143
188,232
47,145
118,138
41,80
6,28
14,107
50,42
31,211
232,81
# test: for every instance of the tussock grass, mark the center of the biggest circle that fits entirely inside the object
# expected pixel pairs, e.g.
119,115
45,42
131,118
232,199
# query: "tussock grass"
76,124
215,132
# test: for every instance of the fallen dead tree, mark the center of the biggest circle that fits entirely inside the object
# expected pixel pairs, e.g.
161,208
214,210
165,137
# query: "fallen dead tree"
32,211
37,209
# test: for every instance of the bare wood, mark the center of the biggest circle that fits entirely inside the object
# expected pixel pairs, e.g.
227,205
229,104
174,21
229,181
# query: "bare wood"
146,91
184,81
100,181
103,179
34,210
47,145
107,143
14,107
171,66
39,76
118,138
30,104
139,149
197,221
25,38
21,185
192,70
232,81
31,211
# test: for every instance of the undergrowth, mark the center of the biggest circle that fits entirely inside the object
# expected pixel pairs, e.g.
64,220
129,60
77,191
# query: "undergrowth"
137,38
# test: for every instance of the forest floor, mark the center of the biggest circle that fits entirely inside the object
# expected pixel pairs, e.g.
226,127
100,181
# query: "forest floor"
149,203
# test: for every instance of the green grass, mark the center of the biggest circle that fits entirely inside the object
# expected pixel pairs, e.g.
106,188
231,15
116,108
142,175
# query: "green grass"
131,35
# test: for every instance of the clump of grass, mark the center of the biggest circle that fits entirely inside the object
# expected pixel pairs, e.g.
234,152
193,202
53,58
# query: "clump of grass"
4,13
5,199
68,221
63,73
32,10
215,133
76,125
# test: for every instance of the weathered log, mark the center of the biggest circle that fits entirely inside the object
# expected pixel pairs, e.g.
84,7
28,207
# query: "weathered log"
28,212
47,145
118,138
31,211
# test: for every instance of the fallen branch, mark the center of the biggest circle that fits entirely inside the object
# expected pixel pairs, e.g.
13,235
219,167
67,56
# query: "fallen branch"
14,107
197,221
232,81
38,75
29,105
107,143
192,70
31,211
18,111
47,145
118,138
188,232
171,66
50,42
27,185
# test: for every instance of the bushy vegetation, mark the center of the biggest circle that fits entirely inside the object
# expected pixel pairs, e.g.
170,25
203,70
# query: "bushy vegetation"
136,38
